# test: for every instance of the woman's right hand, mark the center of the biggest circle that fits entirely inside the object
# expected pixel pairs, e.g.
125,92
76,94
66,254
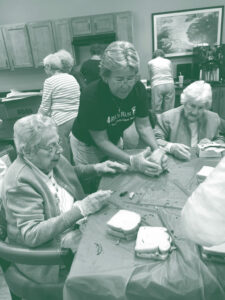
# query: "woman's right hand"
93,202
140,163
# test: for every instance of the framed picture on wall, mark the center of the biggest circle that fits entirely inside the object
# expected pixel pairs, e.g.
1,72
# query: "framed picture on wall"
177,32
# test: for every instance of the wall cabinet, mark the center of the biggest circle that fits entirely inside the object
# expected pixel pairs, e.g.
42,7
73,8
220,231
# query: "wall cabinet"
93,24
124,26
81,26
18,46
4,61
62,34
103,23
42,41
26,45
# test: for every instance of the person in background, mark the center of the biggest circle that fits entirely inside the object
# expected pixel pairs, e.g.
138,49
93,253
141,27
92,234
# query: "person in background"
185,126
42,195
61,95
110,105
90,68
162,83
203,215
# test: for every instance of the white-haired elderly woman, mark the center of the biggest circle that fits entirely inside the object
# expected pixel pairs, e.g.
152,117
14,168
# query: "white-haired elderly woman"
61,95
109,106
42,194
184,127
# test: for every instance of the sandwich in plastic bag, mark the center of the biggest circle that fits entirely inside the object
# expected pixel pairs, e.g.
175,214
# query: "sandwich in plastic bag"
153,242
124,224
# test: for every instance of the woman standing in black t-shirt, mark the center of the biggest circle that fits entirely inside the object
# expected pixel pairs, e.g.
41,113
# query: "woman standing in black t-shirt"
108,107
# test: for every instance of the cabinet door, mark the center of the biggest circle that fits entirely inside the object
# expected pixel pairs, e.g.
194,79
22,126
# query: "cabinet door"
42,41
124,26
81,26
18,45
103,23
4,61
63,35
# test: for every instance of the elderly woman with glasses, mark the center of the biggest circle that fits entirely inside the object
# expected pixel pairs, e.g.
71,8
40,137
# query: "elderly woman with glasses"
42,195
184,127
108,107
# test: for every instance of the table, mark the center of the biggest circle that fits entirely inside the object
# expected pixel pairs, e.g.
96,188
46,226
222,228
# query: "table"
106,268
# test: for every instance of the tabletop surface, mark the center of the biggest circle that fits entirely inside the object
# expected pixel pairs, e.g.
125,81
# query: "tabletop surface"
106,268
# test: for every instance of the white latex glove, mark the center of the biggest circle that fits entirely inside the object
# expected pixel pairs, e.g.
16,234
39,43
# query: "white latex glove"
159,157
110,167
139,162
93,202
180,151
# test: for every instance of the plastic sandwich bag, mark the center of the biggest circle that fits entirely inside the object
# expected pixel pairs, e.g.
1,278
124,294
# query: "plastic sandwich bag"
203,216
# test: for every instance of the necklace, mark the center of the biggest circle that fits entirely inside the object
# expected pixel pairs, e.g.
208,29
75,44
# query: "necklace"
115,101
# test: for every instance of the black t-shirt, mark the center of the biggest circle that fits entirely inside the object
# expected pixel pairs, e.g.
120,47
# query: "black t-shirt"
100,110
90,70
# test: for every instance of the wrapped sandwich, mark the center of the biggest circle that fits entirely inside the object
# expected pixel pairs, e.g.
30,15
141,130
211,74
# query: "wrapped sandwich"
124,224
153,242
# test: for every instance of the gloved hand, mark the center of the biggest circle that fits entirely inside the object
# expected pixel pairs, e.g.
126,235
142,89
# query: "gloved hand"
180,151
110,167
159,157
140,163
93,202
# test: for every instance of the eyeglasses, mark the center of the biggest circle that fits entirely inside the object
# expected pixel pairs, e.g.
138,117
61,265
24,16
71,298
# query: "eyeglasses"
192,106
52,147
120,80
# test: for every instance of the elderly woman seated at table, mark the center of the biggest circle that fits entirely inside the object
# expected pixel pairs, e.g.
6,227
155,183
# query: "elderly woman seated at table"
42,195
185,126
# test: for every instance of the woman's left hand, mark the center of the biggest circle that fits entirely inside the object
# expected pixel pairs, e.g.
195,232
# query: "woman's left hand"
110,167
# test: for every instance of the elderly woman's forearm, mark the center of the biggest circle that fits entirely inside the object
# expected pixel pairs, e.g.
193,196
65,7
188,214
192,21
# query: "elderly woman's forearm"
36,233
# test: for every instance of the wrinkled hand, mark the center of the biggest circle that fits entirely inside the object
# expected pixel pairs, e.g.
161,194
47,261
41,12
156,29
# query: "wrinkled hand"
140,163
180,151
159,157
110,167
93,202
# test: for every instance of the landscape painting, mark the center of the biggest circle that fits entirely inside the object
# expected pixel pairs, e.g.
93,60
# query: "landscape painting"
177,32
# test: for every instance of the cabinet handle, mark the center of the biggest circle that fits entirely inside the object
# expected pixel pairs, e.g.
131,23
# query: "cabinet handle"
95,26
89,26
6,62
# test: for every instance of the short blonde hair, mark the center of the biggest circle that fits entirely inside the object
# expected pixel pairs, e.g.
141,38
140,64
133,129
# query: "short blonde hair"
199,91
52,61
66,59
28,132
119,54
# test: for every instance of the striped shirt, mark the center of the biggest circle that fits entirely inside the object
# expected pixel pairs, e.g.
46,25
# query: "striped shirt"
61,98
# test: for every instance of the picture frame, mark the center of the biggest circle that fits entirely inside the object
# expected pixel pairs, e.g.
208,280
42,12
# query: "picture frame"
178,32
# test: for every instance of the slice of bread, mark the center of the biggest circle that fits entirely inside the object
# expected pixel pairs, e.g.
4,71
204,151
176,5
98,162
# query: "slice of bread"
122,235
125,221
153,242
